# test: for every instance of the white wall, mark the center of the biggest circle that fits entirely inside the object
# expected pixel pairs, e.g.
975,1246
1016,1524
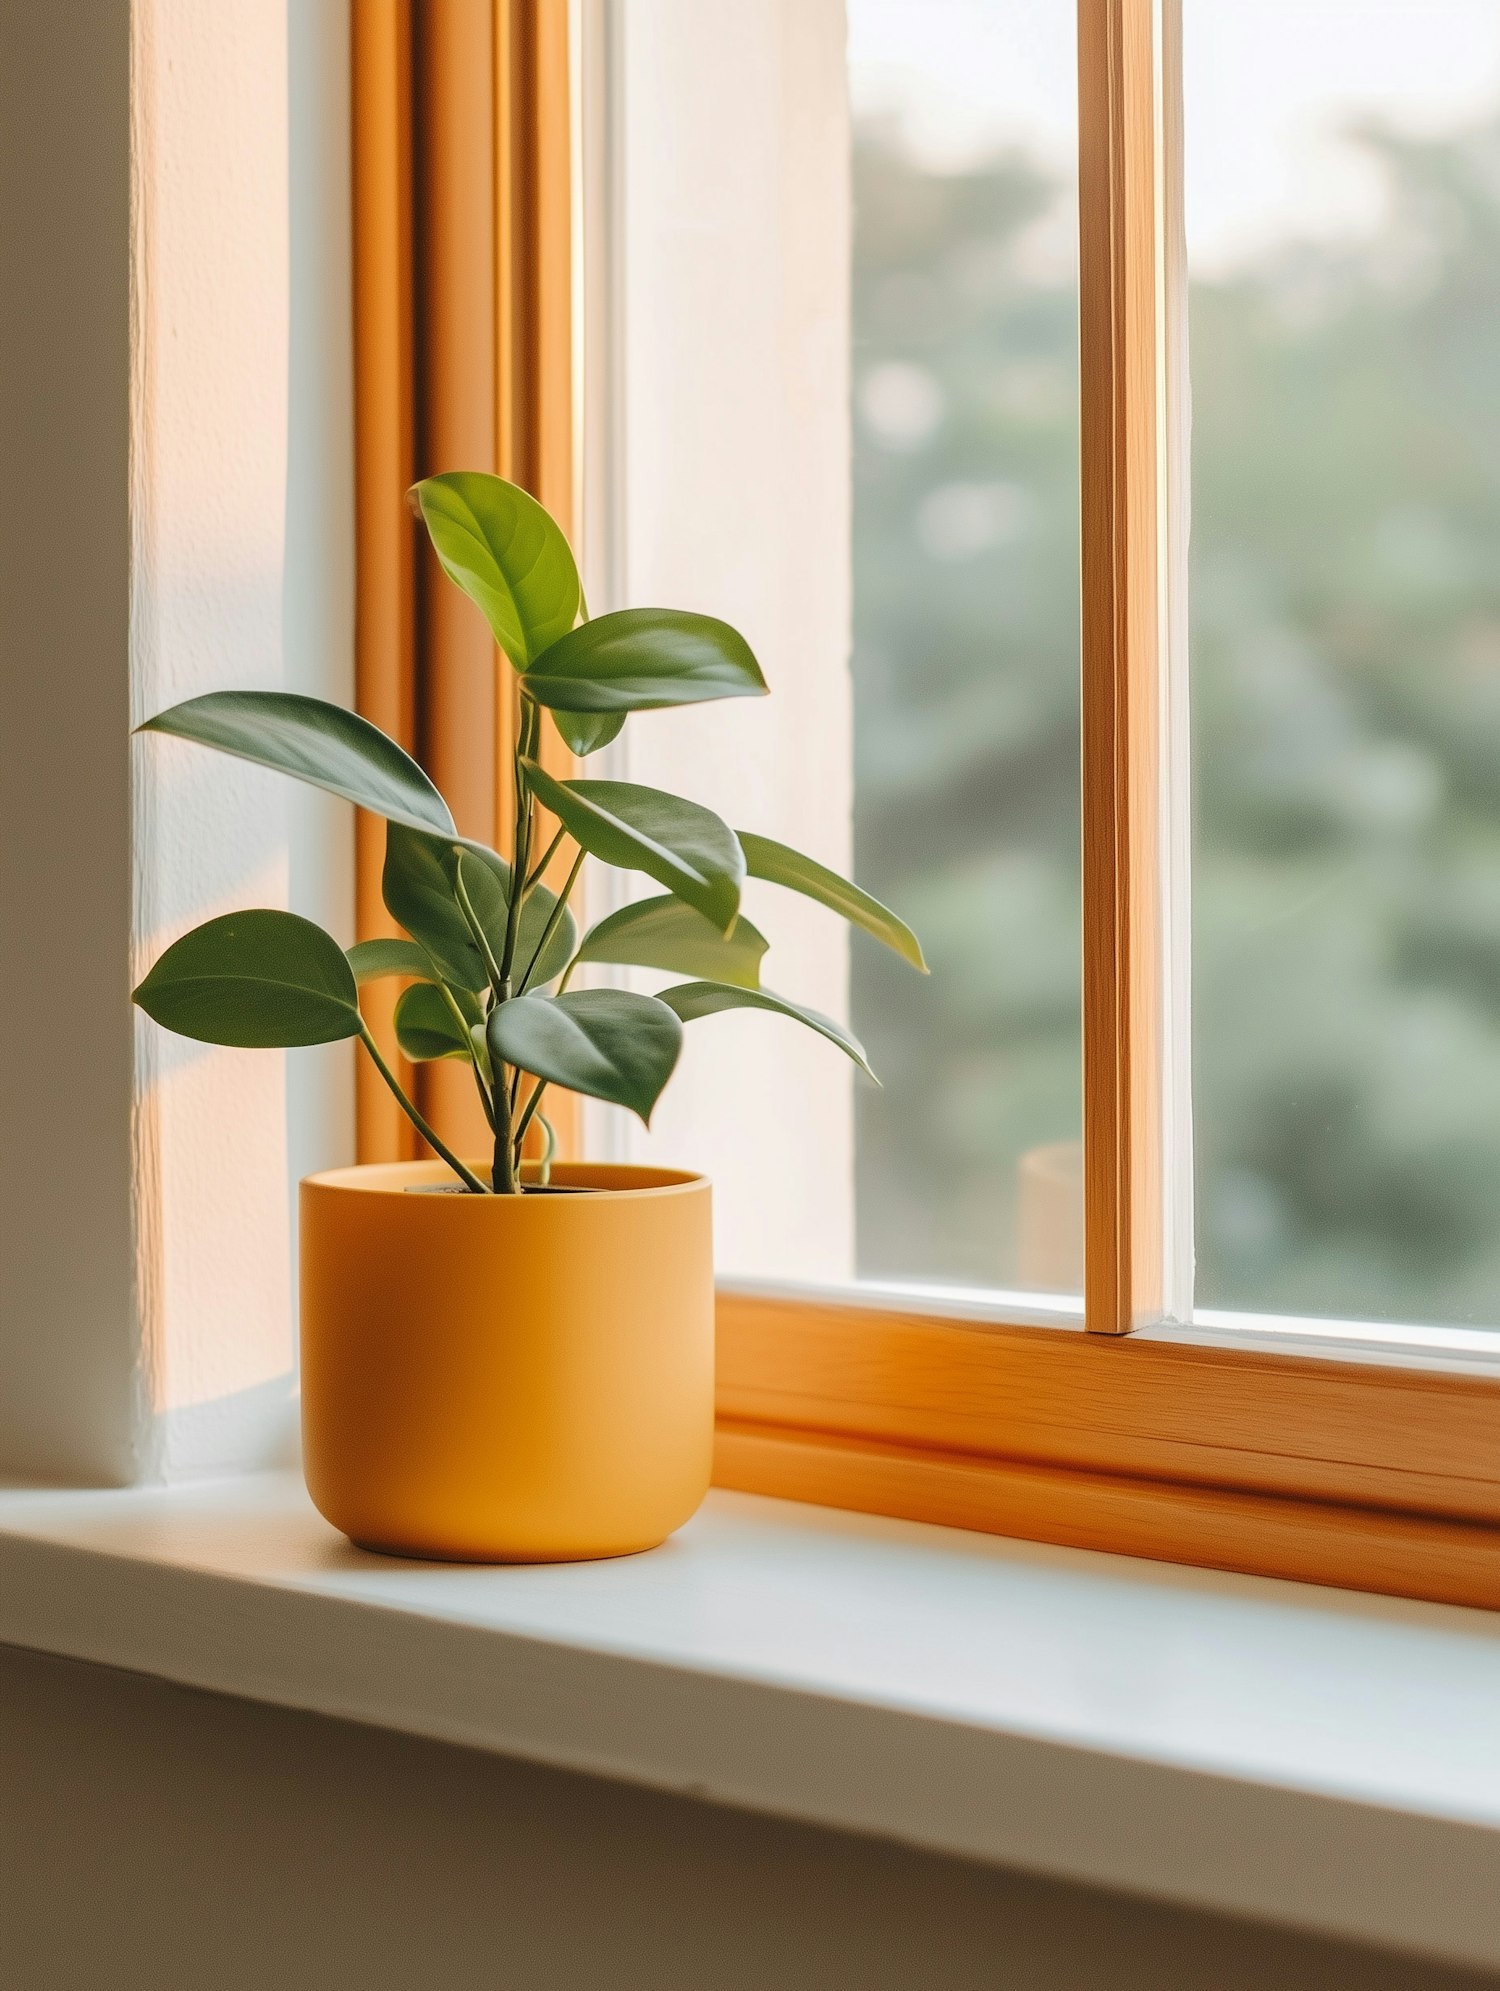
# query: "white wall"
67,1329
317,597
208,497
176,416
243,577
155,1839
721,288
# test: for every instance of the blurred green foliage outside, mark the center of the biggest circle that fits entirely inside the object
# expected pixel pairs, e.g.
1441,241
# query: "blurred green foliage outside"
1345,638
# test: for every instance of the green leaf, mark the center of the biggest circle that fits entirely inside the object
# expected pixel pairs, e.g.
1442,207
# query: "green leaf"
506,553
664,933
585,732
690,1000
606,1043
315,742
258,979
641,659
689,849
371,960
420,888
785,866
426,1027
420,892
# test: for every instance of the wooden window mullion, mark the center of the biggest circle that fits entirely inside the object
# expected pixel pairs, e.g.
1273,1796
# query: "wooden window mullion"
1129,1274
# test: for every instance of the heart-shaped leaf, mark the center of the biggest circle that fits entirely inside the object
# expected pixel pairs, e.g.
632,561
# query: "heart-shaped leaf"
782,865
426,1027
690,1000
664,933
420,888
641,659
312,741
606,1043
683,846
585,732
497,543
372,960
260,979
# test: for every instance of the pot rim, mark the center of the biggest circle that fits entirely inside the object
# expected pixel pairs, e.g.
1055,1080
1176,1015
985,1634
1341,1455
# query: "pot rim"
396,1178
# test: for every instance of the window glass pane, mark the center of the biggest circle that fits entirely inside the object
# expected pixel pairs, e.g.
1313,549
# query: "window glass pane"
966,637
1343,211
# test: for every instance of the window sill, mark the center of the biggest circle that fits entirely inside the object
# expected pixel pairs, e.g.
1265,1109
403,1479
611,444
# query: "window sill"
1303,1756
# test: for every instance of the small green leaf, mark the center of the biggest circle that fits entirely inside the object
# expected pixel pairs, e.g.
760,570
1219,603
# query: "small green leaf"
681,845
426,1027
419,885
785,866
259,979
641,659
606,1043
507,554
314,742
690,1000
372,960
665,933
585,732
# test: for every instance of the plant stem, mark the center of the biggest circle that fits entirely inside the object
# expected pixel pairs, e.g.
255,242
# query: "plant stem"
463,1023
529,1115
433,1139
471,921
553,922
504,1179
520,857
549,1149
543,861
503,1176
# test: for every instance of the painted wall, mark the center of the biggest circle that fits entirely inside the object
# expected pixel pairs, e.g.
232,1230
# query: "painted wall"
67,1327
241,507
153,1839
175,421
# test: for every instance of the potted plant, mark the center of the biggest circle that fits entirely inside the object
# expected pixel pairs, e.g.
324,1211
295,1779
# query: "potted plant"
505,1359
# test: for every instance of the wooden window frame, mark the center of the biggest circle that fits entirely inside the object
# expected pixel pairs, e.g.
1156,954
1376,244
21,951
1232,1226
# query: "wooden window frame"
462,175
1272,1454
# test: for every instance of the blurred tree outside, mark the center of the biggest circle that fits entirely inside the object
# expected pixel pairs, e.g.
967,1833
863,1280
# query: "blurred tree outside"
1345,637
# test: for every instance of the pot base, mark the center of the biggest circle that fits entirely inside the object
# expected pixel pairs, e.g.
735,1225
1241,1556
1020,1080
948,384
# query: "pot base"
518,1559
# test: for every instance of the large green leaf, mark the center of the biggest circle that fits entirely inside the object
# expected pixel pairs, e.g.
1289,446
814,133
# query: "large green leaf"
507,554
640,659
586,732
690,1000
315,742
683,846
606,1043
664,933
258,979
372,960
426,1027
782,865
420,888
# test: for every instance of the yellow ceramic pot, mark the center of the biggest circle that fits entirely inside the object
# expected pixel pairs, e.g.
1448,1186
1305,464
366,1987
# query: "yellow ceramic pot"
507,1378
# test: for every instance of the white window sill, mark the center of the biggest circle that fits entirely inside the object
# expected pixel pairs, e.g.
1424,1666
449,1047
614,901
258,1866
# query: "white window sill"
1306,1756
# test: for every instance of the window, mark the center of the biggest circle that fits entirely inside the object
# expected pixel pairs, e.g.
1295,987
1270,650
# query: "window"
1345,656
964,336
898,307
879,320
